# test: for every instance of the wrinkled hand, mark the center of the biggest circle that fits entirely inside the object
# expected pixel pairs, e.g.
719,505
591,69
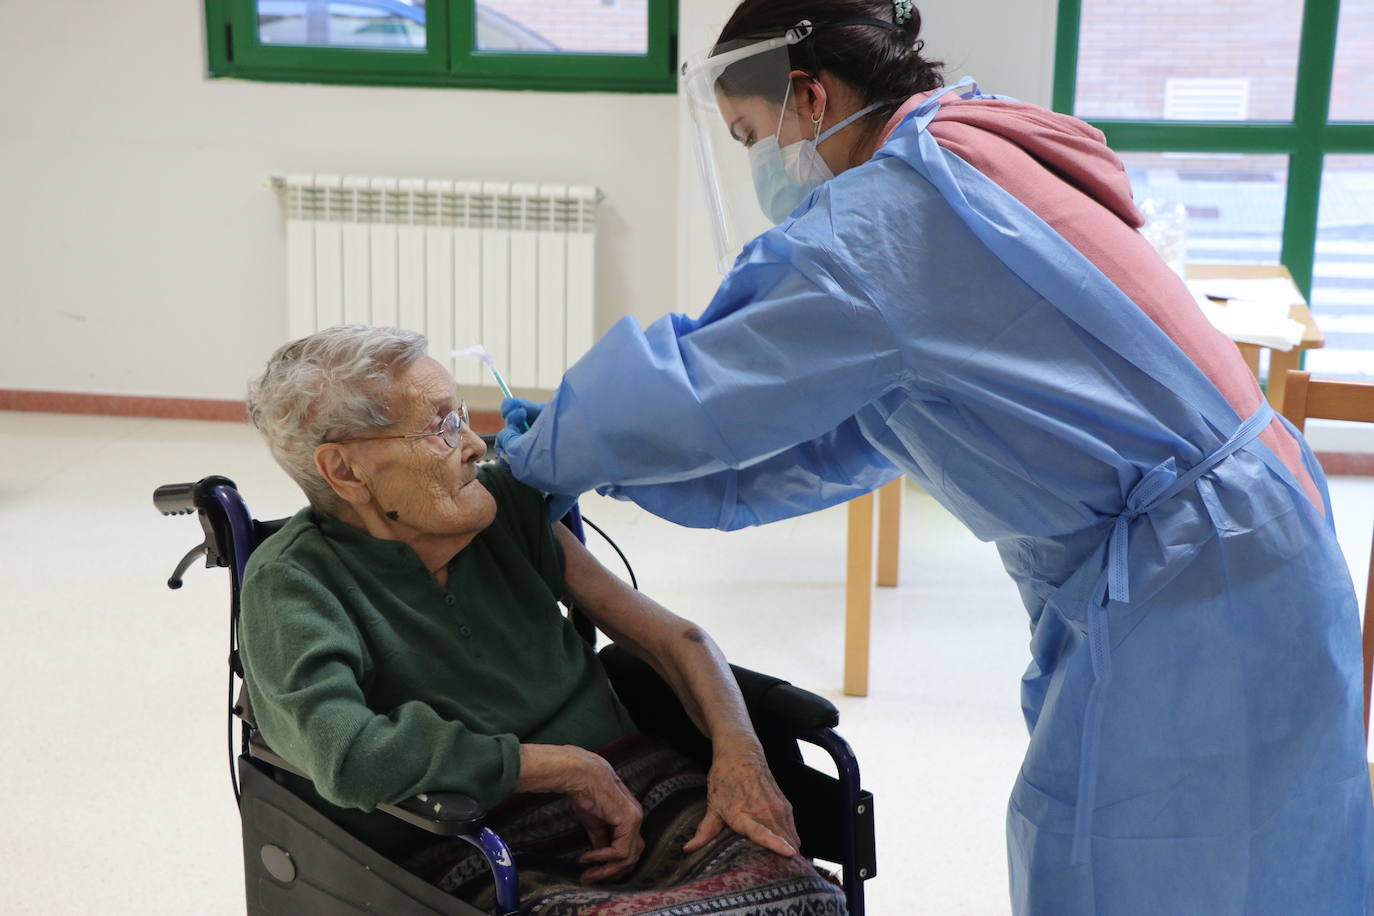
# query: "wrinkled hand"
611,816
742,795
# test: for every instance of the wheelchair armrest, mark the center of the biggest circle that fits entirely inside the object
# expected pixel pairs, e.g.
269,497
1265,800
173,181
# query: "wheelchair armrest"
441,813
774,705
779,704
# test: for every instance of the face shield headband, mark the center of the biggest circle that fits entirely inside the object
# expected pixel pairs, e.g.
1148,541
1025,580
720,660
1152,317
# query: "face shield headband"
750,82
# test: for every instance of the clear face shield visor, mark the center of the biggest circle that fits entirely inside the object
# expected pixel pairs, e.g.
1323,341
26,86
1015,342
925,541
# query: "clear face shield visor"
744,120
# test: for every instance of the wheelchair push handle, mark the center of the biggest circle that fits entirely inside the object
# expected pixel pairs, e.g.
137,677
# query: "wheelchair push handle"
185,498
175,498
191,499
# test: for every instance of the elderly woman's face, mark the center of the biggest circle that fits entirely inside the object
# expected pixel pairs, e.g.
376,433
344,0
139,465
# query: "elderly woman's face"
422,483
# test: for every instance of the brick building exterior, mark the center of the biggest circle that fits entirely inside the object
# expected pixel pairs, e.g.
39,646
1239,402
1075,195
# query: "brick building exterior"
607,26
1128,51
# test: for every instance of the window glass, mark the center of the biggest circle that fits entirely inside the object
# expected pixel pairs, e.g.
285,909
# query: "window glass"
618,27
1190,60
1343,273
1235,203
1352,84
398,24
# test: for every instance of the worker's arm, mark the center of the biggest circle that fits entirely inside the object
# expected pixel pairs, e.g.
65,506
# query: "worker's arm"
764,384
824,472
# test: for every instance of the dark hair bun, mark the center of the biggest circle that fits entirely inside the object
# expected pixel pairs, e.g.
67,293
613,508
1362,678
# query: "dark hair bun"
858,41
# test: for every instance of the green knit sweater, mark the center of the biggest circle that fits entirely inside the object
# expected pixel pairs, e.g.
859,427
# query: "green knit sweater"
380,683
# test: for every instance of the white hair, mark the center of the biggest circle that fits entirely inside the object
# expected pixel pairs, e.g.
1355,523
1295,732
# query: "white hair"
330,385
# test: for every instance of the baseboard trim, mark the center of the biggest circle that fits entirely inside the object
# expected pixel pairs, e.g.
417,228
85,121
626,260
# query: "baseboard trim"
123,405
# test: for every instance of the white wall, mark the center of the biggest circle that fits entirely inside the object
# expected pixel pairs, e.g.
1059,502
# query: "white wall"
141,250
140,224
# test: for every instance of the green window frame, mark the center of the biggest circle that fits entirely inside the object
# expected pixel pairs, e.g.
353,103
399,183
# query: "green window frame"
1307,138
450,58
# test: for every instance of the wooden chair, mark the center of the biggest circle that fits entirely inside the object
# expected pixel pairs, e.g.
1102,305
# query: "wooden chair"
1306,397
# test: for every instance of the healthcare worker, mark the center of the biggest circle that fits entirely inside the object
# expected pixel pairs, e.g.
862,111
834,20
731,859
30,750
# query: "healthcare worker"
956,290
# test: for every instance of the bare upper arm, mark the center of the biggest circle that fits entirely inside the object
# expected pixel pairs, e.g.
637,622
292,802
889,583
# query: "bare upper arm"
622,612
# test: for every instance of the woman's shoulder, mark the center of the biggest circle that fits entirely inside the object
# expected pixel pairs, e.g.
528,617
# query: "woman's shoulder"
510,494
311,551
289,542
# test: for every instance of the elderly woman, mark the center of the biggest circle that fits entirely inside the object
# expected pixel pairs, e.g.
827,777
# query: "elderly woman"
401,634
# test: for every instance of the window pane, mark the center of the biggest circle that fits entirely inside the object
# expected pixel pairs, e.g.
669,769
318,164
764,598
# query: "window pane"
1352,89
1235,203
1191,60
568,26
1343,276
396,24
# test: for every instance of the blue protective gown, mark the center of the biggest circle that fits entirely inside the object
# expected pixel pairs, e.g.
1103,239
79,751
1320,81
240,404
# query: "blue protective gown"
1193,696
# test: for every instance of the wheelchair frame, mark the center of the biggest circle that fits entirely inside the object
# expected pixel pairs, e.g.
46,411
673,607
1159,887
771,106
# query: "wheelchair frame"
299,861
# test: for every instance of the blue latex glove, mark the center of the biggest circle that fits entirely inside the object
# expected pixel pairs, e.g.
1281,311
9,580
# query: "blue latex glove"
519,413
503,442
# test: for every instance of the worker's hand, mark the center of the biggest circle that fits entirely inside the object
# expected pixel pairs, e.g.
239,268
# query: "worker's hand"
612,817
519,413
742,795
504,439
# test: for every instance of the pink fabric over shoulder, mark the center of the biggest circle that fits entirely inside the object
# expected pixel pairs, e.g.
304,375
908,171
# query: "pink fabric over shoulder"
1062,170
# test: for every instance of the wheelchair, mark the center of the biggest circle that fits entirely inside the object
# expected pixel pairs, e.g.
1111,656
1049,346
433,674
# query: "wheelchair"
300,858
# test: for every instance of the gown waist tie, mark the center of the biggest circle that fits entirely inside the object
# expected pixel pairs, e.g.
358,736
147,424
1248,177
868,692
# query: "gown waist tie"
1158,486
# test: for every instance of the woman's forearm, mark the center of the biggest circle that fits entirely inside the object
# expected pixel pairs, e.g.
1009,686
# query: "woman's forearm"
695,668
701,677
681,652
556,768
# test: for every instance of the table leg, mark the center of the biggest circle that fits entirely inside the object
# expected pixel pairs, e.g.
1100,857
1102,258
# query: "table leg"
889,532
1250,353
858,605
1279,363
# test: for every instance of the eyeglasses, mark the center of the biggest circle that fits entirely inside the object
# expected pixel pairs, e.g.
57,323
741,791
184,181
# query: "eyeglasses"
450,430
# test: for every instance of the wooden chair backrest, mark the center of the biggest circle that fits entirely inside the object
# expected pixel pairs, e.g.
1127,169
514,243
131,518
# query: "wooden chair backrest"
1325,399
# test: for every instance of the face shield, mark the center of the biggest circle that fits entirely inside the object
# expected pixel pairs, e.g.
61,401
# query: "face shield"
744,121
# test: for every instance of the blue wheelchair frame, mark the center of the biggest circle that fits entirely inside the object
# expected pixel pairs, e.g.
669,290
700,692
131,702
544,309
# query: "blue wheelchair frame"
298,860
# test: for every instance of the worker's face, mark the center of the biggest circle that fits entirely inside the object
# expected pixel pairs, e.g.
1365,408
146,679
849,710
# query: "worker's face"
751,118
421,485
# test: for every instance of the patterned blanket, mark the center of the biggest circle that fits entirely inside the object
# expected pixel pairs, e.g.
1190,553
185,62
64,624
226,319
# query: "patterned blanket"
728,877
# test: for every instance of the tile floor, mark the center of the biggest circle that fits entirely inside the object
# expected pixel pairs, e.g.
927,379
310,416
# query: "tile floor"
112,766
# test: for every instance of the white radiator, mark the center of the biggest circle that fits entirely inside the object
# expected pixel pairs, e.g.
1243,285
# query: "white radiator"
509,266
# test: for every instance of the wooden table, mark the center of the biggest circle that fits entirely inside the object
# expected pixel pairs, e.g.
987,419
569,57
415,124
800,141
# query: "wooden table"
858,603
1280,361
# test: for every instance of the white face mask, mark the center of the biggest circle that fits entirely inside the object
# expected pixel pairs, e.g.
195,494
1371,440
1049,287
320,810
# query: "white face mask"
784,175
